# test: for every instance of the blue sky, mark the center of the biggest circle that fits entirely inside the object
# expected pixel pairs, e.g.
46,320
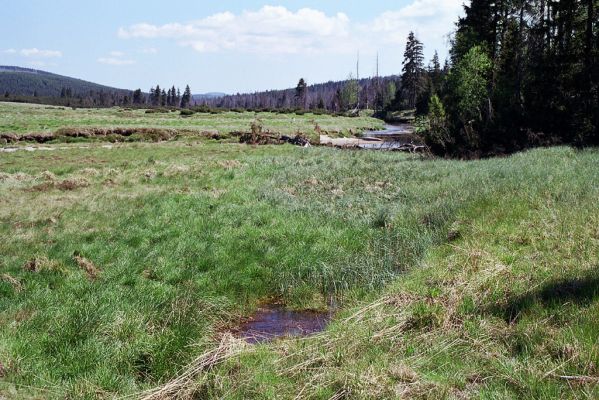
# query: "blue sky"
226,46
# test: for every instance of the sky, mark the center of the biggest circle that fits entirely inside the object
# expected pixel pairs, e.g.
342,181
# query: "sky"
219,46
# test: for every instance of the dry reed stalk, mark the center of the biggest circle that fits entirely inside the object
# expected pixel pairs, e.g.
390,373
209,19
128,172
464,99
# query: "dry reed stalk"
183,386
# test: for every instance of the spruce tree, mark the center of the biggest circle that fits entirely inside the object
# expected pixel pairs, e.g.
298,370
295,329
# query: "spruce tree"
173,97
157,94
413,69
186,98
137,96
163,98
435,73
301,91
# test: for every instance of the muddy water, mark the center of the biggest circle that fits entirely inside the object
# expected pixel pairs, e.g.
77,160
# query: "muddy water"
271,322
391,138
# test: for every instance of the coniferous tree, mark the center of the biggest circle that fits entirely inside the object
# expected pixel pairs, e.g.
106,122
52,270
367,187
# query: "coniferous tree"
163,98
413,69
320,105
435,73
301,93
186,98
137,97
156,99
173,97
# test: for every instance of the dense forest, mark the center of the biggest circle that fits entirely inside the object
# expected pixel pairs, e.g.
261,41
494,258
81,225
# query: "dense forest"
523,73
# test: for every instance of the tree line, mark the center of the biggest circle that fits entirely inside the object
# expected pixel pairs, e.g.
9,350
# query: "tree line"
338,96
522,73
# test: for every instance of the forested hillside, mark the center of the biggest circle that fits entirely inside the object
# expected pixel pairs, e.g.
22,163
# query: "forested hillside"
16,81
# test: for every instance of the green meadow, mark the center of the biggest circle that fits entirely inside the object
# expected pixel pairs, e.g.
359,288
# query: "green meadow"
124,267
31,118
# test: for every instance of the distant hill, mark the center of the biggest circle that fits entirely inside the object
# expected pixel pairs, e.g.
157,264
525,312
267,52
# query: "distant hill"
26,82
208,96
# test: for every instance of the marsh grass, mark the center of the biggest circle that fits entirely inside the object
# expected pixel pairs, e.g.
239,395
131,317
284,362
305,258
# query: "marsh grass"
21,119
442,272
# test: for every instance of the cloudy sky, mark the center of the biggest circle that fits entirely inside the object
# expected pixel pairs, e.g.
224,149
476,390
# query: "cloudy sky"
226,46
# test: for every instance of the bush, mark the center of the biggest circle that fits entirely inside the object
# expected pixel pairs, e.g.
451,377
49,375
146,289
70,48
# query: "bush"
187,113
434,128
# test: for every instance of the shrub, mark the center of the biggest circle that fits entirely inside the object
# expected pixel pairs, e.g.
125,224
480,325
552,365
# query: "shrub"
187,113
434,128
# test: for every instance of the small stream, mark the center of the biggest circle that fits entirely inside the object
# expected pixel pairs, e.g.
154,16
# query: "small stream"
390,138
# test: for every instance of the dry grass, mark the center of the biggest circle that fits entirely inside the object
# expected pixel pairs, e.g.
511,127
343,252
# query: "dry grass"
188,384
87,266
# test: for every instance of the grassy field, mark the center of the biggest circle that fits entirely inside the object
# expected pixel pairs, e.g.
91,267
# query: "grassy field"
123,268
28,118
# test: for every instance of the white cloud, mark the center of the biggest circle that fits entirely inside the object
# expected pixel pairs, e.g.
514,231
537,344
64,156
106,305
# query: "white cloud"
431,20
277,30
9,51
271,29
37,53
115,61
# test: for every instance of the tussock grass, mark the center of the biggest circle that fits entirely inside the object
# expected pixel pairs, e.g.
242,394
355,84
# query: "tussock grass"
451,279
505,307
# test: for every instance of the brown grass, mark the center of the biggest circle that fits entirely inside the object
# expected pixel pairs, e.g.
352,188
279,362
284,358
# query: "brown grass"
86,265
188,384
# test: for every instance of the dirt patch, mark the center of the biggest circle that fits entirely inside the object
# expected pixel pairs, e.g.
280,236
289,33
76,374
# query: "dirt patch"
86,265
39,264
72,184
64,185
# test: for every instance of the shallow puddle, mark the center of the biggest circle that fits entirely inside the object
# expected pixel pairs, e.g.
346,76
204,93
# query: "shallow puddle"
271,322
